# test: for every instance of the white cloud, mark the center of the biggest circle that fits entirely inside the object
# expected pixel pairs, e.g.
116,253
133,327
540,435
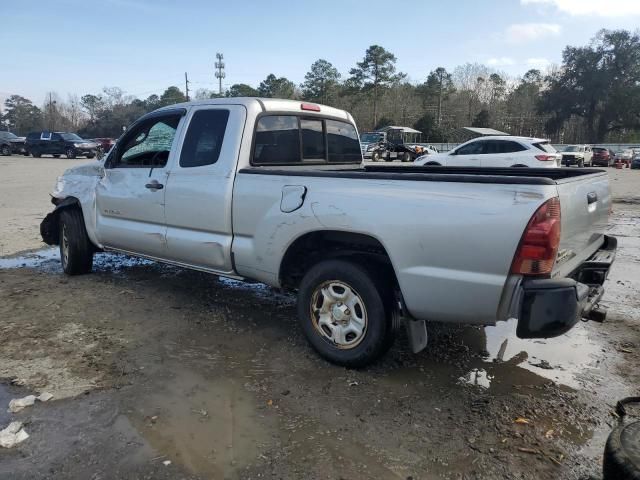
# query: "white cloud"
538,62
527,32
601,8
500,61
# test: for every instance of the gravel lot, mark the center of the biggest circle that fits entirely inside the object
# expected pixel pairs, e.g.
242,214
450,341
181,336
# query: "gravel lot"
152,364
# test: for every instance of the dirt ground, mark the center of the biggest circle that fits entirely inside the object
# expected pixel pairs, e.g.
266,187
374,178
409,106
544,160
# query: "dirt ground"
151,364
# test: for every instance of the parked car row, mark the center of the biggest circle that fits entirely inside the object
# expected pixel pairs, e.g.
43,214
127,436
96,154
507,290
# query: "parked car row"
512,151
54,143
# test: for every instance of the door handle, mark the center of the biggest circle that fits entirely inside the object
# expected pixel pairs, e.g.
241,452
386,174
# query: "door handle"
154,185
592,197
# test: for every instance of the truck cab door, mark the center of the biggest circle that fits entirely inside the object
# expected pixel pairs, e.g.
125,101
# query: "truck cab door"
200,188
130,196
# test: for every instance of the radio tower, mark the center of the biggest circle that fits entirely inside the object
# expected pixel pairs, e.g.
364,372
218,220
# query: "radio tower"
219,71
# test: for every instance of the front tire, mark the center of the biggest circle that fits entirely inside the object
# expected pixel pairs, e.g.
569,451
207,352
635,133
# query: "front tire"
70,153
5,150
76,250
580,163
406,157
375,157
343,314
36,154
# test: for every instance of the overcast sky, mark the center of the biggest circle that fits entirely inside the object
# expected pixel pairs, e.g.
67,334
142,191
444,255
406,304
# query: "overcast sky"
143,46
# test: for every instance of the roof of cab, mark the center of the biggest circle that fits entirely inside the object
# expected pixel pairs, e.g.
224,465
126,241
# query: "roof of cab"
267,105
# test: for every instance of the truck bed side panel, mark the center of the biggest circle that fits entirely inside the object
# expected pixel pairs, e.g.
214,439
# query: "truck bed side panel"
451,244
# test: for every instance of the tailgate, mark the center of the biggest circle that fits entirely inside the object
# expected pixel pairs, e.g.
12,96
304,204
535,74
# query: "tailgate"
585,202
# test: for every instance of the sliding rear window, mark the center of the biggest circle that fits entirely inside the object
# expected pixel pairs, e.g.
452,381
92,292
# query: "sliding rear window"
296,140
545,147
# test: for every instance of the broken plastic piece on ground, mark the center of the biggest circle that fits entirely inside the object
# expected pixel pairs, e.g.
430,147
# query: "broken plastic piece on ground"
521,421
18,404
166,463
13,435
45,397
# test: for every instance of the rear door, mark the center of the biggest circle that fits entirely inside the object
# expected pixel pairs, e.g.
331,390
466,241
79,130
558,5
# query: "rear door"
200,188
130,197
585,202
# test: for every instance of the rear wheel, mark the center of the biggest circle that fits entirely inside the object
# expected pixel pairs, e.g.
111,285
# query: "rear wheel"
406,157
76,250
5,150
70,153
343,313
36,154
375,157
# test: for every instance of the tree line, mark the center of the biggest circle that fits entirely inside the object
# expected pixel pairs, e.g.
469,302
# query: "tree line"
592,97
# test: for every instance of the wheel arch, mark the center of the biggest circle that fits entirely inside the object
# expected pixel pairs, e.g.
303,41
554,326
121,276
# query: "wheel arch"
50,225
312,247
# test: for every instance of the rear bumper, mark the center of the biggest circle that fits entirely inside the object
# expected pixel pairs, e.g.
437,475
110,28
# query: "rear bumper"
551,307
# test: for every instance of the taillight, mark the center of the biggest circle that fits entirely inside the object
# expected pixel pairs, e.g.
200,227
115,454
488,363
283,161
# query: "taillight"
546,158
538,247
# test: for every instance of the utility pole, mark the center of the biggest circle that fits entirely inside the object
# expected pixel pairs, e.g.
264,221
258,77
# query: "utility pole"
186,86
52,119
219,71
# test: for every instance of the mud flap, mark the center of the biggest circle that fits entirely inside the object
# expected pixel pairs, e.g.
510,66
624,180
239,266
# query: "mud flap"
417,333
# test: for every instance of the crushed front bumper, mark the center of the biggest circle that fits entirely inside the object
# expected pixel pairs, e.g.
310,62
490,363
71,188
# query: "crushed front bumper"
551,307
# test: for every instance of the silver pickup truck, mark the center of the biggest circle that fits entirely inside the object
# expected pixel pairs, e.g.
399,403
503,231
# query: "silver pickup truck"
276,191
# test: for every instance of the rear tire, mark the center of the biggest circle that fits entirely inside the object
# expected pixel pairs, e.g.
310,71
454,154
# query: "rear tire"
406,157
5,150
76,250
36,154
375,157
354,304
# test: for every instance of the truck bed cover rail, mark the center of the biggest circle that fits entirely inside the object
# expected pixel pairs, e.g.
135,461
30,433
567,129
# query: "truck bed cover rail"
521,176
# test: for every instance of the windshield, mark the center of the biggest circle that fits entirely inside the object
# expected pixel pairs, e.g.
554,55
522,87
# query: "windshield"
71,137
9,135
573,148
370,137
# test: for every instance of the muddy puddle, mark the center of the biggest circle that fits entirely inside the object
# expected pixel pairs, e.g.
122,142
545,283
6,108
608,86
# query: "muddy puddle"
210,425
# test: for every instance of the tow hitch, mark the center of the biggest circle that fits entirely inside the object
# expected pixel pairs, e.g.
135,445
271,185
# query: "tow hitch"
593,310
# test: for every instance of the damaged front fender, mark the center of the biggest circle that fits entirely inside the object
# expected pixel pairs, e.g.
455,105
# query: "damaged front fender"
49,227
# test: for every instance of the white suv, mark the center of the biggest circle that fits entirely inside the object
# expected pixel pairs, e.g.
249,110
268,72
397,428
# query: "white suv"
497,151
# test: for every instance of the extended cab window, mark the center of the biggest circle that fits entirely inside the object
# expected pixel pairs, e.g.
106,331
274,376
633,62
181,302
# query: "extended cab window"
344,145
313,147
148,144
290,140
203,141
277,140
